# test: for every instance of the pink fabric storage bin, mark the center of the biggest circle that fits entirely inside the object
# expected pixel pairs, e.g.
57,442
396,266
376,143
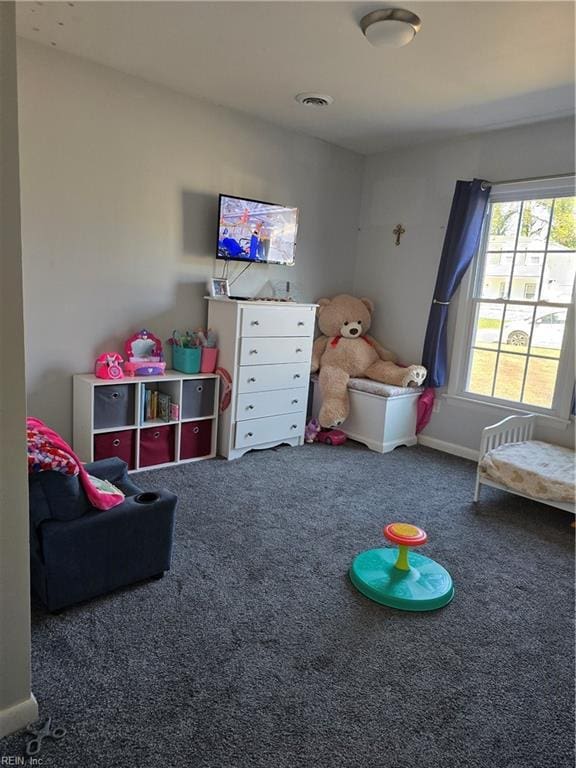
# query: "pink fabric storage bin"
209,360
196,439
120,444
156,445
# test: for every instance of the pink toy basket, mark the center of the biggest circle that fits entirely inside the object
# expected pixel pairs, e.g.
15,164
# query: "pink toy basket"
209,360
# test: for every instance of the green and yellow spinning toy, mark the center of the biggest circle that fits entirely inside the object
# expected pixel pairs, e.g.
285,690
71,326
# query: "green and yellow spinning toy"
392,577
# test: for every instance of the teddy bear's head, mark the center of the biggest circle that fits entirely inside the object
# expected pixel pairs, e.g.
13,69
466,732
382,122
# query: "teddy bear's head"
344,316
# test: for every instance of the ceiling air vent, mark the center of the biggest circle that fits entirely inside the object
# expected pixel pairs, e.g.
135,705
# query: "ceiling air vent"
314,99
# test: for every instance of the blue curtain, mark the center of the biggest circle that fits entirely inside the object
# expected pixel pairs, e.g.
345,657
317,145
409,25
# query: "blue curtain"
460,245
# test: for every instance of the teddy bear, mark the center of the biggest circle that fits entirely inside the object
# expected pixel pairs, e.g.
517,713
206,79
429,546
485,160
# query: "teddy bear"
345,350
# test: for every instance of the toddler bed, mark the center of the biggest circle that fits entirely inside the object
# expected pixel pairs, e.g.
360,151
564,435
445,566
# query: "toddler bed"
511,461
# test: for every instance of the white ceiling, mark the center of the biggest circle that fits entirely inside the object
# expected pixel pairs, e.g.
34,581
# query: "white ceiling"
473,66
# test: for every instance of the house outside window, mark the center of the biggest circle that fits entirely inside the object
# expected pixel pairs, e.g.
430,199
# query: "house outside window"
516,318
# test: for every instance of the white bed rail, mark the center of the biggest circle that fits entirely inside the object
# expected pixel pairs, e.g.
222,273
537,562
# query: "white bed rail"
512,429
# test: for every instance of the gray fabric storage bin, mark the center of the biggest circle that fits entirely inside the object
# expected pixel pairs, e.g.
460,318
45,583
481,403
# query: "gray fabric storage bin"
198,398
114,406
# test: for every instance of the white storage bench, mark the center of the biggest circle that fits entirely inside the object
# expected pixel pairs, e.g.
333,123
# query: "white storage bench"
381,416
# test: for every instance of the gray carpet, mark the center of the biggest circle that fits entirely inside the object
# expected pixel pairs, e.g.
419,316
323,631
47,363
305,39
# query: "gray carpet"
256,651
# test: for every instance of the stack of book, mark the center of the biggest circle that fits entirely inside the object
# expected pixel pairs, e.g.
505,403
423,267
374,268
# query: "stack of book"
158,405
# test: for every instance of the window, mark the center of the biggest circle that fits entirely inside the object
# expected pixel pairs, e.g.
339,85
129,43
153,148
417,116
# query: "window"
517,348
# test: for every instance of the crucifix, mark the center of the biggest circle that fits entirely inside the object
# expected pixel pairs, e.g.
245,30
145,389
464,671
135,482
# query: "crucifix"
398,231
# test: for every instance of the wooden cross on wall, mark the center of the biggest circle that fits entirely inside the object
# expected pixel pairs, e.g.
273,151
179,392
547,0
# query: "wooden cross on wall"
398,231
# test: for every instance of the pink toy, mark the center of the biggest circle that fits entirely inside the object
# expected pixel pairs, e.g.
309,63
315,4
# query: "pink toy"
331,436
145,368
144,353
107,366
311,431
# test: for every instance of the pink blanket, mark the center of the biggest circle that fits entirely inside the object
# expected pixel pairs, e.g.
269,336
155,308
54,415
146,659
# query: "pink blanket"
47,451
425,405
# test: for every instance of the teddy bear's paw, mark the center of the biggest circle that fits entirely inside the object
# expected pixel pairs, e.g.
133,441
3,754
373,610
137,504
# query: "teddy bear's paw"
414,376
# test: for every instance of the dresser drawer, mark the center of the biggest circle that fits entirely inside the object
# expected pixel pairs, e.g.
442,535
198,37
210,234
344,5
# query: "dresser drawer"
277,321
260,404
257,378
259,431
258,351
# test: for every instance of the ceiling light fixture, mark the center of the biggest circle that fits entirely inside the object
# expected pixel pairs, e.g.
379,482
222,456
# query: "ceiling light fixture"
392,27
310,99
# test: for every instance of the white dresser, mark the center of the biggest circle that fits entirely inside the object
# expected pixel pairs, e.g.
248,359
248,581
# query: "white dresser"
266,347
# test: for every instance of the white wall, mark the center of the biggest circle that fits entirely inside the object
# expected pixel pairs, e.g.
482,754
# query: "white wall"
119,188
17,705
415,186
119,205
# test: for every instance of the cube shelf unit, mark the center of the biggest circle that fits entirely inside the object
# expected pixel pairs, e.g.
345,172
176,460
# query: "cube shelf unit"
109,419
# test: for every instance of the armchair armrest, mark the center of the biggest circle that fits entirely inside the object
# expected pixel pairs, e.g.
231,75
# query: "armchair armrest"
130,512
115,471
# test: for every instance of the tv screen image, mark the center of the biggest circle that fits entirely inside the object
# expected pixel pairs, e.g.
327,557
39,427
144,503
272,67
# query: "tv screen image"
252,230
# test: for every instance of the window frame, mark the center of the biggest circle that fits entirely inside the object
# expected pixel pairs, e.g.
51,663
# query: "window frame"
468,297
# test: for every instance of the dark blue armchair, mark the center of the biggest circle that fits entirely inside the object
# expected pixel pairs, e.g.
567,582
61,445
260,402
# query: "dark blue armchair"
77,552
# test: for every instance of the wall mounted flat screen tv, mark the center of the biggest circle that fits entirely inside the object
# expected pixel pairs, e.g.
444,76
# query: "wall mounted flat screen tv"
252,230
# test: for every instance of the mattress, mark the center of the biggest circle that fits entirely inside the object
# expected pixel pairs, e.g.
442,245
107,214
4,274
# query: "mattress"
541,470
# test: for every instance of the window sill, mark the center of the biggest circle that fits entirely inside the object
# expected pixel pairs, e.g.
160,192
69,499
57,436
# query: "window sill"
555,422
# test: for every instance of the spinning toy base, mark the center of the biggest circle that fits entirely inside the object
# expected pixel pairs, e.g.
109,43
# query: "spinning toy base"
423,586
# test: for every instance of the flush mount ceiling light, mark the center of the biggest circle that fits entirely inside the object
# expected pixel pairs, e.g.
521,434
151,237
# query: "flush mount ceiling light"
310,99
392,27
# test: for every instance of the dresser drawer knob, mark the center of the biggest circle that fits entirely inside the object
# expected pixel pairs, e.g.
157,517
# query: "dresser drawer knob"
116,443
296,375
294,402
298,350
251,380
249,407
253,351
249,434
294,426
301,322
255,322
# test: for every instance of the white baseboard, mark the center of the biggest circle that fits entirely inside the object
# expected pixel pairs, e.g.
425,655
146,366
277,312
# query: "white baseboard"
441,445
18,716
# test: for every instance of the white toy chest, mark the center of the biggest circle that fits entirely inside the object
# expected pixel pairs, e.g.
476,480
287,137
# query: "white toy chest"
381,416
